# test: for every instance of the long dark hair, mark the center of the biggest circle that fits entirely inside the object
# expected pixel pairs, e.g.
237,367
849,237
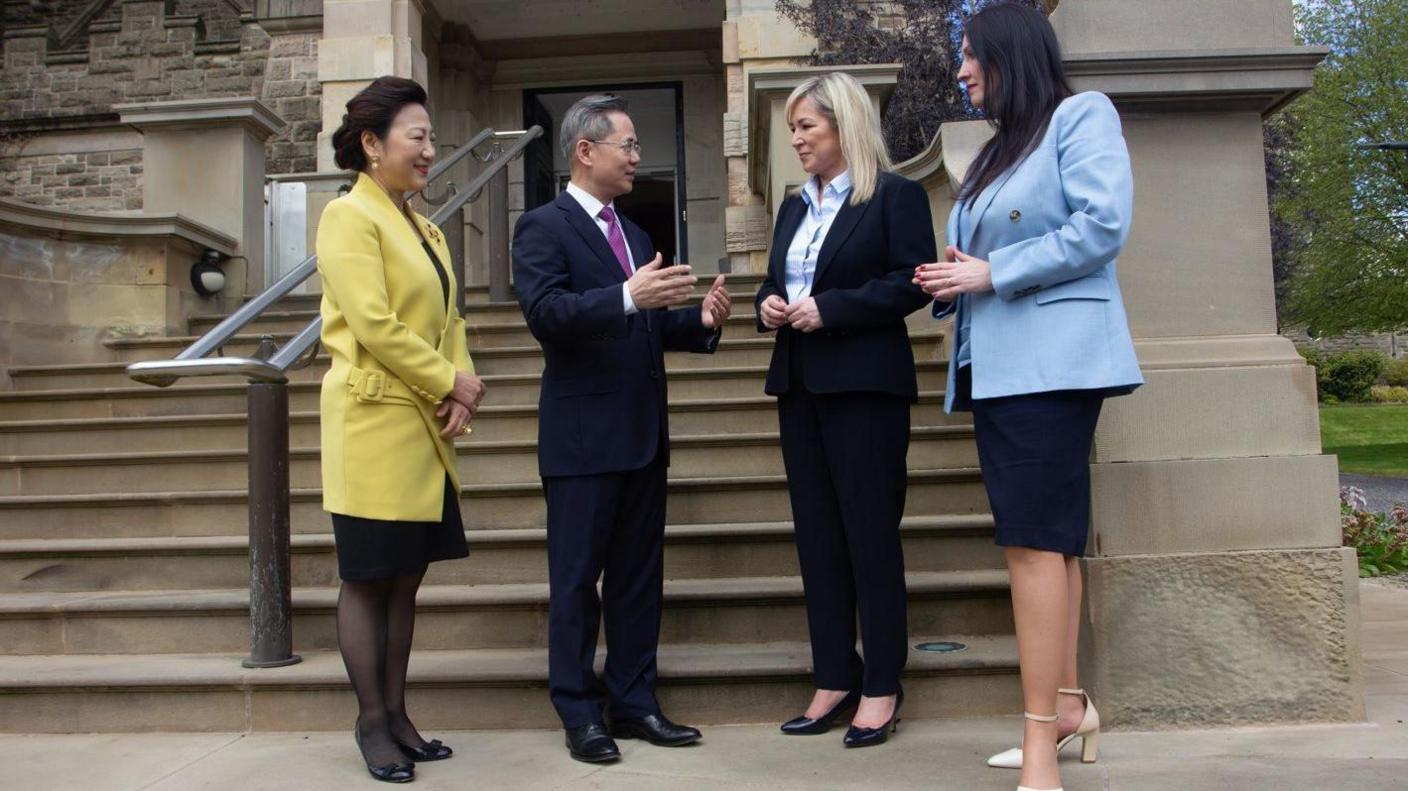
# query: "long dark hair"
1024,81
372,110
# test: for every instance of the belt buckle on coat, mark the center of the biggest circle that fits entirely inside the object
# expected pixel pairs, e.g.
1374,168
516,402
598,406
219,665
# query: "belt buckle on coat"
372,387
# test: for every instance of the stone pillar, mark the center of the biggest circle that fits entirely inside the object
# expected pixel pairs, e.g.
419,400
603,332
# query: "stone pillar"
754,36
363,40
1218,592
204,158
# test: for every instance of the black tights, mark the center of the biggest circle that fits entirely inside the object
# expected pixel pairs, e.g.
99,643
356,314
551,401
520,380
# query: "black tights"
375,623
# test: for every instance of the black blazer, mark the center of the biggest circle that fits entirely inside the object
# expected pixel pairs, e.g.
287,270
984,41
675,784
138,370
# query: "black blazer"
602,407
864,290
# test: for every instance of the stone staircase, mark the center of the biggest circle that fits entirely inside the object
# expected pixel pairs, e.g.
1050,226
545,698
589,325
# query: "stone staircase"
124,570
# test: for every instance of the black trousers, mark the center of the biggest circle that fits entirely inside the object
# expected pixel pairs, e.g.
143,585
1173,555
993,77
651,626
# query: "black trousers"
846,474
611,525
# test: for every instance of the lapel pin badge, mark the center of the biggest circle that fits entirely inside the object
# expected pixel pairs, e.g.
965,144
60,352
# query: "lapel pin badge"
1015,216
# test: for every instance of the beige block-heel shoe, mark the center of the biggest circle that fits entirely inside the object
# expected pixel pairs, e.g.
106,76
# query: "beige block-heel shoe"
1088,731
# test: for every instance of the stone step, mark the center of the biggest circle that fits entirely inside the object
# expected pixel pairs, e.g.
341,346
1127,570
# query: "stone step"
456,690
491,424
483,334
756,549
746,350
480,462
712,500
288,319
451,617
196,397
753,350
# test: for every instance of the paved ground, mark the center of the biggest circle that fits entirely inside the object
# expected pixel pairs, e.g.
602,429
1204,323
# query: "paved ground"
934,754
1380,492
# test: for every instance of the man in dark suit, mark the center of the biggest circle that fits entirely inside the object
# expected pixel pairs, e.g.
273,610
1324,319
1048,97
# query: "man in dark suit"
597,298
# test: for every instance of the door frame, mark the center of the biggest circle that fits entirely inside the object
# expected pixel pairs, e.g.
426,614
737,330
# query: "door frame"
681,188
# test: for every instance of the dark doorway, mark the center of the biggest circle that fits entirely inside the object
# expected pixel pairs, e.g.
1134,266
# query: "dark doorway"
539,186
651,205
658,199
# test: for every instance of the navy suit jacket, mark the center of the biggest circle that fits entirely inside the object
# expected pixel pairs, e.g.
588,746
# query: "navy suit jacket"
863,288
603,405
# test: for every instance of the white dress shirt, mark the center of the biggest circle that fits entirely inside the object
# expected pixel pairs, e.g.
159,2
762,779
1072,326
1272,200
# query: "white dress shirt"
811,234
593,208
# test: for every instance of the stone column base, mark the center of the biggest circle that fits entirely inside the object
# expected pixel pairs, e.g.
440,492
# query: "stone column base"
1225,638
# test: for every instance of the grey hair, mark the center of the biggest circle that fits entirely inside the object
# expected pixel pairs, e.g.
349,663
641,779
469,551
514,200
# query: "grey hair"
588,118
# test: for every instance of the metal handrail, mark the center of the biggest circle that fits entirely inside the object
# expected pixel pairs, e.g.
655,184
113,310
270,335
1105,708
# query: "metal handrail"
270,570
192,360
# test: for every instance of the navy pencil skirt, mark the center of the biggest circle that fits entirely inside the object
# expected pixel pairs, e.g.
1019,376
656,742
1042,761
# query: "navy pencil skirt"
1035,455
374,549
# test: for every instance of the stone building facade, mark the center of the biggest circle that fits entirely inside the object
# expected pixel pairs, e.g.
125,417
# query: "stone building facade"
67,64
1219,592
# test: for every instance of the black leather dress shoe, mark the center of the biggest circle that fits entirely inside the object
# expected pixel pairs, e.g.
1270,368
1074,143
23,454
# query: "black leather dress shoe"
806,726
655,729
386,773
433,750
869,737
592,744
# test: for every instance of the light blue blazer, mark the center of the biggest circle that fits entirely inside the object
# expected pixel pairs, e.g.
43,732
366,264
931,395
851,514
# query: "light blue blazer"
1051,228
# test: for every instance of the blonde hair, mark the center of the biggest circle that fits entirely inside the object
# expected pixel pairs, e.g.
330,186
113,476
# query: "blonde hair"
844,103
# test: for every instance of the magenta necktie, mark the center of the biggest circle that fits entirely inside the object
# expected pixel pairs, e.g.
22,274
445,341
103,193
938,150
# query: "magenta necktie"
617,240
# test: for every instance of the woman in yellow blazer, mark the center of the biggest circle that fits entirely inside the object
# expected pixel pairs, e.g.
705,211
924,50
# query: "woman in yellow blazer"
400,390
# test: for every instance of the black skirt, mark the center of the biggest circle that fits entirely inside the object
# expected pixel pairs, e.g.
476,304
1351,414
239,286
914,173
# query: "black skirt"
1035,455
373,549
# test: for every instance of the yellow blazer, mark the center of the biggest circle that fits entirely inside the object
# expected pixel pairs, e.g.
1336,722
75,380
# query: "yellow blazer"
395,348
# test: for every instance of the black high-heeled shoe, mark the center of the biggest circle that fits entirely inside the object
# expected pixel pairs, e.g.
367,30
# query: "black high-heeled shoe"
869,737
806,726
433,750
386,773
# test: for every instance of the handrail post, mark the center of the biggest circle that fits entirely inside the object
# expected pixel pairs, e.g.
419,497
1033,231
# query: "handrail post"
454,237
498,237
270,585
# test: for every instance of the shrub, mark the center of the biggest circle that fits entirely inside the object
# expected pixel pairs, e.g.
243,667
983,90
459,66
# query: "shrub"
1383,394
1396,374
1380,540
1349,376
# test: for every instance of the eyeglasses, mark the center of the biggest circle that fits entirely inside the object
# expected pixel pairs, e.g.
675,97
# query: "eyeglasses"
627,146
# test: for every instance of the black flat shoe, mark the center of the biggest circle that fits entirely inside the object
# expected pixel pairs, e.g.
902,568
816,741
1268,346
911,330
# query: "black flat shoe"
806,726
592,744
869,737
386,773
655,729
433,750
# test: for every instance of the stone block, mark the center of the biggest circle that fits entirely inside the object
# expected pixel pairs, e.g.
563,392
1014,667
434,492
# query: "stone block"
769,36
1198,267
735,140
284,90
730,42
1222,410
1221,639
1098,26
1214,504
746,228
294,46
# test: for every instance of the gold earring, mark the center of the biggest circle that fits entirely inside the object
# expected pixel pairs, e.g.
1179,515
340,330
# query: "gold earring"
376,162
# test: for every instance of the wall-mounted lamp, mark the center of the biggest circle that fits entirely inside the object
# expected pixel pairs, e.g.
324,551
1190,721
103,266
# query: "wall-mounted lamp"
206,276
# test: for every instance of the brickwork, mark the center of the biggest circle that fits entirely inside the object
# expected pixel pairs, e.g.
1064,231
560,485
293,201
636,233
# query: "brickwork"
139,51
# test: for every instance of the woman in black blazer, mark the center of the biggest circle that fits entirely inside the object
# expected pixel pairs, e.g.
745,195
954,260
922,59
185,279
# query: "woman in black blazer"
838,288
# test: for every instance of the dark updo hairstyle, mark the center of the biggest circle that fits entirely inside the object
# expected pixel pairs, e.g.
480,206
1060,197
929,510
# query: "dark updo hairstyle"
372,110
1026,80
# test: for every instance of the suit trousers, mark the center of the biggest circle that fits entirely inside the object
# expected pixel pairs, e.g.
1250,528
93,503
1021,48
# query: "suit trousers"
609,527
845,456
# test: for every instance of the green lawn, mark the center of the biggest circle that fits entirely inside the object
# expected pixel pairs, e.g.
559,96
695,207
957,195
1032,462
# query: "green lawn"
1370,439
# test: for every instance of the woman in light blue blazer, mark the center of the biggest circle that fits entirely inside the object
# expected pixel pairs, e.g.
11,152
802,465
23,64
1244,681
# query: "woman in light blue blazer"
1041,339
